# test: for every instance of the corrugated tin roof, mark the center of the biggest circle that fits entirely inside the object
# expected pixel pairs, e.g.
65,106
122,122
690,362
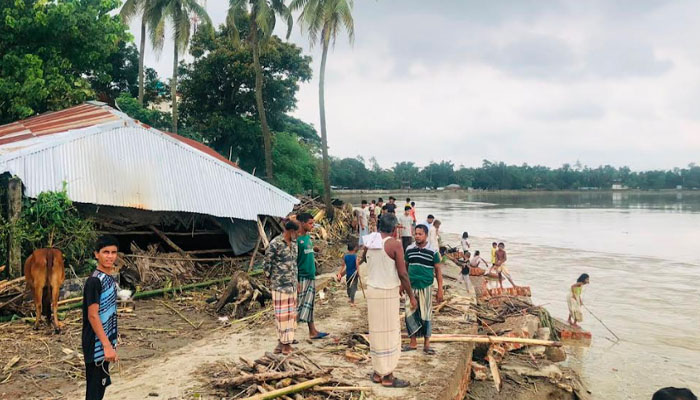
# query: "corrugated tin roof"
107,158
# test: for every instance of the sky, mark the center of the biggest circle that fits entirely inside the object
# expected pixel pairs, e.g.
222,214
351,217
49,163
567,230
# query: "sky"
536,82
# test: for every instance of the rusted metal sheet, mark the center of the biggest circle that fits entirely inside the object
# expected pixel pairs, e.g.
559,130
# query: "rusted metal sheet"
107,158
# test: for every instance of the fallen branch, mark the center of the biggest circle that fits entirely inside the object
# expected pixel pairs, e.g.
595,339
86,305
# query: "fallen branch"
289,390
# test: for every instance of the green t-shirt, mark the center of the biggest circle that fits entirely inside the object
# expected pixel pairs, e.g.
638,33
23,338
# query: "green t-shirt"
421,265
305,258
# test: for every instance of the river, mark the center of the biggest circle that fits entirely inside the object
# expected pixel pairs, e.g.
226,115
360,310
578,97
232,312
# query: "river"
641,251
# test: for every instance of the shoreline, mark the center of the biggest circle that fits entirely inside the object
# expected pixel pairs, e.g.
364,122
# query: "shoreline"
401,192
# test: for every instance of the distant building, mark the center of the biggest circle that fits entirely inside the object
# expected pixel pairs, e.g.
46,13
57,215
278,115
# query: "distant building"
619,186
453,186
679,187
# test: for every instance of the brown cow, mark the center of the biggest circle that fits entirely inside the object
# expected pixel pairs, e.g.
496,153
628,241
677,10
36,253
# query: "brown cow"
44,273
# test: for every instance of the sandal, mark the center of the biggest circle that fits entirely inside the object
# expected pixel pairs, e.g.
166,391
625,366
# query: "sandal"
320,335
396,383
372,377
406,348
429,351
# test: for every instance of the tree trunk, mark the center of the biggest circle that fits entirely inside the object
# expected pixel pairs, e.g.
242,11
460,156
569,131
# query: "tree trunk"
267,136
14,208
173,89
324,136
142,50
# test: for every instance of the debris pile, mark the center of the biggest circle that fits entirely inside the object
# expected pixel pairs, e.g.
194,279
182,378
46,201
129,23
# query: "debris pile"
11,296
527,358
277,376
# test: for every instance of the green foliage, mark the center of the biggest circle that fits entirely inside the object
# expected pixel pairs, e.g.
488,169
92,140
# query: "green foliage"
131,107
217,99
296,170
51,220
51,52
352,173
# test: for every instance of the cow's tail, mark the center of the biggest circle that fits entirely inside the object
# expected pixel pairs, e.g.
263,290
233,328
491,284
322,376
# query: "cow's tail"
46,297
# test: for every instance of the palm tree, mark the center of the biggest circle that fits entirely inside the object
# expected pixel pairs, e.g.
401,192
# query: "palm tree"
323,19
179,14
129,10
262,16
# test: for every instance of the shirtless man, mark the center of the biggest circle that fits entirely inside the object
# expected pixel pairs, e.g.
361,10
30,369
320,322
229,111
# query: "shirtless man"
500,265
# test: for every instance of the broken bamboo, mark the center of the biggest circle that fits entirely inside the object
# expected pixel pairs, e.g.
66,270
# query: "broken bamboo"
289,389
437,338
168,241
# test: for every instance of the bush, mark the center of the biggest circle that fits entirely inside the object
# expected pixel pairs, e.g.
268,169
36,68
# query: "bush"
51,220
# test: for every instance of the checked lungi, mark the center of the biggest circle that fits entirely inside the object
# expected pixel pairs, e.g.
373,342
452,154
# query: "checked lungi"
418,321
384,329
305,300
285,305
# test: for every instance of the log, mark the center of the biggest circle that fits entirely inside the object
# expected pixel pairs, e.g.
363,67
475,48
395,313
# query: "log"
263,235
268,376
289,390
437,338
168,241
12,282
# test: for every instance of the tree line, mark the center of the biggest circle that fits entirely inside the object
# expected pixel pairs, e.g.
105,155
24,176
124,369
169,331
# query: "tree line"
358,173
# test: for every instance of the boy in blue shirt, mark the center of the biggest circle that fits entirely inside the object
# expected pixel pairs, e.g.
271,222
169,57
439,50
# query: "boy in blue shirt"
351,272
99,337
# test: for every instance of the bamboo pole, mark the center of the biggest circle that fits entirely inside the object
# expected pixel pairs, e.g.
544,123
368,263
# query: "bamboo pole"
445,338
342,388
289,389
181,315
255,252
157,292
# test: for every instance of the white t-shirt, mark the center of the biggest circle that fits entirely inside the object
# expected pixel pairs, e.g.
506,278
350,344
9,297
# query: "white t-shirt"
406,221
363,214
465,245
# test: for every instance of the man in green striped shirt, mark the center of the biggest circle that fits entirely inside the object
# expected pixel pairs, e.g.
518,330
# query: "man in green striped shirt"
424,265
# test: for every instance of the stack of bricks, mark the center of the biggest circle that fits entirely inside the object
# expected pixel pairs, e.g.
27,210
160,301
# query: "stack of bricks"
575,335
523,291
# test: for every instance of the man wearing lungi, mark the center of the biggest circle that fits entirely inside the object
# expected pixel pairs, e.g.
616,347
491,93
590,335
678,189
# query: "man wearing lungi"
280,267
423,265
387,273
307,276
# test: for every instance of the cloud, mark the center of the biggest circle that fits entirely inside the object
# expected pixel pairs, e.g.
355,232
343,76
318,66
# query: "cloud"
603,82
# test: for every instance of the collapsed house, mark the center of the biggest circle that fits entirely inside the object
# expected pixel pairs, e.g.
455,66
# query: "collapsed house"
154,190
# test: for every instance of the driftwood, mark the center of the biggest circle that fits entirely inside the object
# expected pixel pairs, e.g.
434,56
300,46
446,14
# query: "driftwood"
242,291
268,376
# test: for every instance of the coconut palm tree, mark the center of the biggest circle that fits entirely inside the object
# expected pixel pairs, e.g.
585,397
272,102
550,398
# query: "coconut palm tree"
322,20
179,13
262,16
130,9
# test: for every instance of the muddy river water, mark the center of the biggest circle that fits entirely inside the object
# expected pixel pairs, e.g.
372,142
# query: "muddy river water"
642,251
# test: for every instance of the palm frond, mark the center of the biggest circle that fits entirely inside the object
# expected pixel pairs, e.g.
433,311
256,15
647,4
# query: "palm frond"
130,9
237,9
263,12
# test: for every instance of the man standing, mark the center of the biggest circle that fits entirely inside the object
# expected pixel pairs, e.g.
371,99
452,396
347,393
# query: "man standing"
423,265
406,227
434,235
391,205
281,269
429,221
363,220
307,276
99,337
387,272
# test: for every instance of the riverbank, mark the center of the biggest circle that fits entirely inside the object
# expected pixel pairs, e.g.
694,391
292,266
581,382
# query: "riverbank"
401,193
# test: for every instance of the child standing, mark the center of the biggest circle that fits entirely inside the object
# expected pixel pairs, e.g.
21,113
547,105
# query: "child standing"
351,272
99,337
574,301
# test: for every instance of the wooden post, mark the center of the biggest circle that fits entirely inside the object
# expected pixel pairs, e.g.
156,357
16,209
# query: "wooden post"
263,235
14,207
255,252
169,242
